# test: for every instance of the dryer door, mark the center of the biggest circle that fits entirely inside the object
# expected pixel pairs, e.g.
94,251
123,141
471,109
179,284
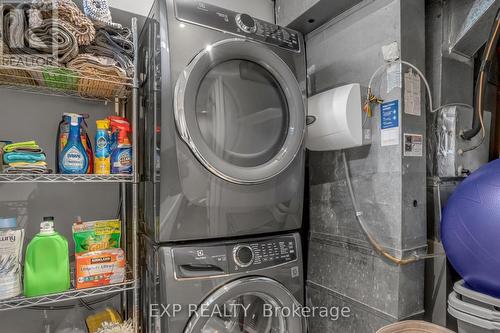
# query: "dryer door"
248,305
240,110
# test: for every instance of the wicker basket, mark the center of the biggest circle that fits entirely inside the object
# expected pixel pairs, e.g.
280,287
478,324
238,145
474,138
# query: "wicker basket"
413,326
98,83
10,74
59,78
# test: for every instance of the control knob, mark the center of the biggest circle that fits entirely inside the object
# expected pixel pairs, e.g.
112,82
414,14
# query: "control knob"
246,23
243,255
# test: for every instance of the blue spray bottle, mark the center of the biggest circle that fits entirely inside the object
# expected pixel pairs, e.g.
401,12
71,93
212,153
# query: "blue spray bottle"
74,158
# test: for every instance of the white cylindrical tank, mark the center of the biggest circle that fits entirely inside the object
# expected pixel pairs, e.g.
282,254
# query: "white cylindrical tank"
337,120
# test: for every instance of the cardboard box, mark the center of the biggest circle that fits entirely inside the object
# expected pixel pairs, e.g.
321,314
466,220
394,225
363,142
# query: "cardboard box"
100,268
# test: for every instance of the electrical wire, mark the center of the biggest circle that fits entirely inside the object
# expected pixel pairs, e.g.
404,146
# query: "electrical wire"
371,98
465,105
375,244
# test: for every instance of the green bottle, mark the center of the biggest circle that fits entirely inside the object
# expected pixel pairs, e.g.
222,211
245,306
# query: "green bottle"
46,268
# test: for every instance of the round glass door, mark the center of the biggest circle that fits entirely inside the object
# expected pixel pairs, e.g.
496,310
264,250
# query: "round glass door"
245,314
240,128
250,305
240,110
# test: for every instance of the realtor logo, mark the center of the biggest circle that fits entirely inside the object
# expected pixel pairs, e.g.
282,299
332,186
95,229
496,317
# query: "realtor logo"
32,34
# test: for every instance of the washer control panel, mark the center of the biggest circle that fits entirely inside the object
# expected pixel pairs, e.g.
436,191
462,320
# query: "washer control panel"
231,257
263,254
240,24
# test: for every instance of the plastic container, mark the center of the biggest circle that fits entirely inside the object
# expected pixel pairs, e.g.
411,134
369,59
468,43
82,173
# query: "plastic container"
74,157
63,135
46,268
108,315
102,158
474,311
413,326
11,246
121,156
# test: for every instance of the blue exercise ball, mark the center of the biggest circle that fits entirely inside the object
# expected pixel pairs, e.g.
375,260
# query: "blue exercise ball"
470,229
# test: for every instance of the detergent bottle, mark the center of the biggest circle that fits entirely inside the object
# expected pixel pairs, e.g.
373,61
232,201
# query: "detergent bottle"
121,156
114,121
46,268
63,134
74,159
102,158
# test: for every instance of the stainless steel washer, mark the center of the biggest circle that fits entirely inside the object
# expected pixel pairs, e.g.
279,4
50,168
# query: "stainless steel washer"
226,287
223,103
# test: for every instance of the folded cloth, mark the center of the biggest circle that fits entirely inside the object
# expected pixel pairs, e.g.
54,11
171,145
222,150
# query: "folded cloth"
71,16
14,27
14,157
21,168
40,164
100,77
117,38
28,146
2,145
102,68
90,59
98,11
53,36
35,18
114,43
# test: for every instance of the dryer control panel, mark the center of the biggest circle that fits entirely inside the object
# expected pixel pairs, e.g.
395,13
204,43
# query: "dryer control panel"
240,24
230,258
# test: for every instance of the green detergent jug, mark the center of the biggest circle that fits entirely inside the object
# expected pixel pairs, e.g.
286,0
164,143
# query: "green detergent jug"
46,268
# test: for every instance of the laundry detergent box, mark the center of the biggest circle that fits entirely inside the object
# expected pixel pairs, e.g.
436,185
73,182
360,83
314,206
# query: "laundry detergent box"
96,235
99,268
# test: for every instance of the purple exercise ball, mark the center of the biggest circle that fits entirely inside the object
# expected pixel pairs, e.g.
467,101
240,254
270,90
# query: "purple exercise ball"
470,229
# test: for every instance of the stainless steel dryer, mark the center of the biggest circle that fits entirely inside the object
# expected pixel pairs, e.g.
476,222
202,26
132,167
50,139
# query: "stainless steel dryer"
223,102
227,287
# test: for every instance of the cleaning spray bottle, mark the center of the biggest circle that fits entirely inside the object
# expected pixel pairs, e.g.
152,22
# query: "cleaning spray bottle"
121,156
74,159
102,158
63,135
114,121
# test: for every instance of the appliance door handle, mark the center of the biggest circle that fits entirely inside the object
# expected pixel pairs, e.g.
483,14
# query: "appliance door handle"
199,270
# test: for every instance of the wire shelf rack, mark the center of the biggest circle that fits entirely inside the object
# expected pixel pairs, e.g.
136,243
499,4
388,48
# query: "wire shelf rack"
58,178
73,294
61,81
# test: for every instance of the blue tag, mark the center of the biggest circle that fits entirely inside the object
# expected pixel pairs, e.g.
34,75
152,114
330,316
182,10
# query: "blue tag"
389,113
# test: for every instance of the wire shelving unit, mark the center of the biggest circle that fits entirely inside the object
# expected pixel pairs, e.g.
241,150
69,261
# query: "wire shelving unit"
58,178
72,294
85,86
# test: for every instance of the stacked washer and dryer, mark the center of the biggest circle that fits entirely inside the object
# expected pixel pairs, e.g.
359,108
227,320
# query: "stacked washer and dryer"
224,121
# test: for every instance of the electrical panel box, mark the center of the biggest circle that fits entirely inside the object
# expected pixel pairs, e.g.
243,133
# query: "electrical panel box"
336,120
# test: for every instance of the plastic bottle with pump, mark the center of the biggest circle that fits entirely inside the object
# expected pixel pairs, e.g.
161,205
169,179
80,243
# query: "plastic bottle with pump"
74,158
46,268
121,156
102,158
